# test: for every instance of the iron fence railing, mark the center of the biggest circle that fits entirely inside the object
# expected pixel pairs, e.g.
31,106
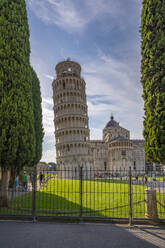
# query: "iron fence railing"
87,193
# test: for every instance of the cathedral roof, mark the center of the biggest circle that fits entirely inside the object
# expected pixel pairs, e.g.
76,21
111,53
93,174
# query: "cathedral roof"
120,138
112,123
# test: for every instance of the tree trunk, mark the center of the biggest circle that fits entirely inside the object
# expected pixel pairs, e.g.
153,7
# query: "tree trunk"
4,188
12,178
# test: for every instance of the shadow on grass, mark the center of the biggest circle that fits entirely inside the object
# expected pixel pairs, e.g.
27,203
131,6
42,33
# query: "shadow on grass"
52,204
47,204
20,203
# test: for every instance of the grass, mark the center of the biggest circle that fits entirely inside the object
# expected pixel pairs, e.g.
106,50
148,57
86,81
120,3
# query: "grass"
101,197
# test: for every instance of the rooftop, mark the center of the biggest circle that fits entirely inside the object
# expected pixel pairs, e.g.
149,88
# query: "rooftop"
112,123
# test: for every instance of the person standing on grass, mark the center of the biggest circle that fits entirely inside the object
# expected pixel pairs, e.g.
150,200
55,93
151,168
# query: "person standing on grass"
24,181
146,179
17,182
20,181
41,178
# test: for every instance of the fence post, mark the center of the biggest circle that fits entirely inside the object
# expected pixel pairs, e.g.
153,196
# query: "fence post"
151,204
81,191
34,179
130,196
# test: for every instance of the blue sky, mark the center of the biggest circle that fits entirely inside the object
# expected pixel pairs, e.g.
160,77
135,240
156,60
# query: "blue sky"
103,36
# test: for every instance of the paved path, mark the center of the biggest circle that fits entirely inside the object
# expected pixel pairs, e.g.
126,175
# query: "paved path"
154,235
15,194
58,235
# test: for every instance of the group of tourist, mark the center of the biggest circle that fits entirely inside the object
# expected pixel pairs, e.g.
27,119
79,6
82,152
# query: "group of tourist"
21,181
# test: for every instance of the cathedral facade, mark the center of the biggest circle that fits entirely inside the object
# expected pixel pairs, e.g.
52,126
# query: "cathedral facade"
116,151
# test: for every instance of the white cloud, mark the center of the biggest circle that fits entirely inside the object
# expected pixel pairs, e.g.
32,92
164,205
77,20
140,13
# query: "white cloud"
99,110
108,76
48,76
95,134
62,13
76,15
113,87
42,71
49,137
49,156
48,115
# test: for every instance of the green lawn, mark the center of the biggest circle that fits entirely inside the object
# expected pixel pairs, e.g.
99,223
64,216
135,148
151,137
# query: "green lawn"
101,197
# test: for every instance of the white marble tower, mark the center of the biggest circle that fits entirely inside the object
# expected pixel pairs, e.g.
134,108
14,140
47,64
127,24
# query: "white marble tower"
70,116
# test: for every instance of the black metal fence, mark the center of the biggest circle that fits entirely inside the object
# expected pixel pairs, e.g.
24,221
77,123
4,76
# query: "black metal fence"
85,193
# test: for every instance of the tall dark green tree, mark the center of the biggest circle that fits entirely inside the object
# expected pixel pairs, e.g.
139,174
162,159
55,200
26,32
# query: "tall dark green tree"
37,109
153,78
17,134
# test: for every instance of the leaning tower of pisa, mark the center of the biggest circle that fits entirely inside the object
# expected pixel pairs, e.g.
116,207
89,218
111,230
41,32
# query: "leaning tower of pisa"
70,116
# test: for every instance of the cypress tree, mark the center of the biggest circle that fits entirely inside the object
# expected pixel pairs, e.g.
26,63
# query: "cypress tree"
17,134
153,78
37,109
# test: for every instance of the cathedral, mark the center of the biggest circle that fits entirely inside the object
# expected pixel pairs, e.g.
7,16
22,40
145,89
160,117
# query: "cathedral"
116,151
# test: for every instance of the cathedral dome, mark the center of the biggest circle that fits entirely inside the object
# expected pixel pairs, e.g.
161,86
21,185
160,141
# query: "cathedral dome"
112,123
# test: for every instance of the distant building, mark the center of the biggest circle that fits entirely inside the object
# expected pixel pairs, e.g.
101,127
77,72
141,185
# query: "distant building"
41,166
52,165
116,151
73,146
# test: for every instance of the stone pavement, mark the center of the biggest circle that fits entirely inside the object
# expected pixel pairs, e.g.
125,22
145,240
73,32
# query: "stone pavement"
58,235
153,234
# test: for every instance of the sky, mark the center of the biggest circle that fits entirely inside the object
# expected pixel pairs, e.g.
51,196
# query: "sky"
103,37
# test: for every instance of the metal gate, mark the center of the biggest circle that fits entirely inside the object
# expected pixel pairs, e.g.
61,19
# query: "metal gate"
84,193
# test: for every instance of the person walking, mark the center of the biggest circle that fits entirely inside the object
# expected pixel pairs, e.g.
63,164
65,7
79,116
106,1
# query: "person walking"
17,182
145,179
41,178
24,181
